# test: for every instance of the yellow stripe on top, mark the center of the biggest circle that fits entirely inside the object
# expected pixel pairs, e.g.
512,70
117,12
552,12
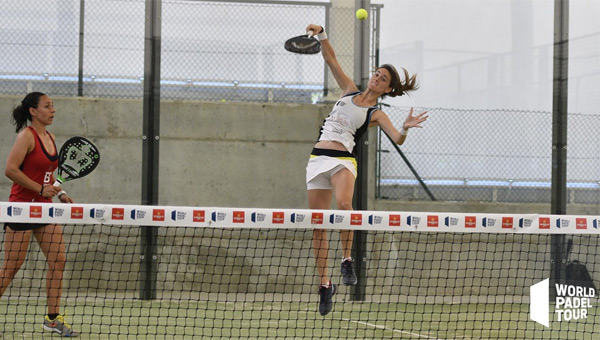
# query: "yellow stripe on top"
351,159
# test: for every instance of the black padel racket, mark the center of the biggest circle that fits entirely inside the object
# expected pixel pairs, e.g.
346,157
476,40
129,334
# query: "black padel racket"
77,158
303,44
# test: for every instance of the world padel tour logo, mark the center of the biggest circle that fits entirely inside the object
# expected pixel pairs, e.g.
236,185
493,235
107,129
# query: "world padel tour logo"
525,223
137,214
571,302
413,220
257,217
218,216
177,215
562,223
56,212
97,213
299,218
14,211
450,221
334,219
488,222
375,219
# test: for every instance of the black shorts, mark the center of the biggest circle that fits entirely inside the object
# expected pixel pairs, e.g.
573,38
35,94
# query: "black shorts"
24,226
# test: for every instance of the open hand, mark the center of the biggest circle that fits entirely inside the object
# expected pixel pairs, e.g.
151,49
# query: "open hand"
414,121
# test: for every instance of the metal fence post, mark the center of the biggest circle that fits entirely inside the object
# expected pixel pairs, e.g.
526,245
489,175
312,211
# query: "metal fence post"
81,47
361,77
559,136
150,142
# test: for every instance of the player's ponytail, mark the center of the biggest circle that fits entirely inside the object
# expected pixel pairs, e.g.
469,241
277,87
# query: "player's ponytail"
398,87
21,113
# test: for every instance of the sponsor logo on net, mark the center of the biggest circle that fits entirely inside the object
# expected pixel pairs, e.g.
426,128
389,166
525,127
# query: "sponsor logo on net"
571,302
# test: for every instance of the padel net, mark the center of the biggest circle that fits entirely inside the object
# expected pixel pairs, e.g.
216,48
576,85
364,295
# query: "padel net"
217,272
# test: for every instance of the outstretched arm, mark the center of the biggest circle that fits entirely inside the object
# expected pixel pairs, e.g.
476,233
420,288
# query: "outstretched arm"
344,82
381,119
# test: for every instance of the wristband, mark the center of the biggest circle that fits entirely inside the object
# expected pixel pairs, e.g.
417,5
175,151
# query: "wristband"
404,132
60,193
322,35
42,190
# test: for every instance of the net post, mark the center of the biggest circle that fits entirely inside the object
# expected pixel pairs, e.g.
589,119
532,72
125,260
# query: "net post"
361,78
148,268
150,143
359,251
559,138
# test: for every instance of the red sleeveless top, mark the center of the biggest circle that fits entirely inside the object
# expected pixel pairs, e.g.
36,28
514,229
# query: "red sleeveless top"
38,165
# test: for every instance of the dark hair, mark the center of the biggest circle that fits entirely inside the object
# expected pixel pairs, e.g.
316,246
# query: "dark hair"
21,114
398,87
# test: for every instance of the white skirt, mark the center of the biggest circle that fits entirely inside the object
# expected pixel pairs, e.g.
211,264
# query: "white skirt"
320,169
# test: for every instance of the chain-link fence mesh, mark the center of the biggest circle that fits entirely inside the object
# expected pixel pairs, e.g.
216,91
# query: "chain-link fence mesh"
113,48
497,155
487,156
233,51
236,52
209,50
39,52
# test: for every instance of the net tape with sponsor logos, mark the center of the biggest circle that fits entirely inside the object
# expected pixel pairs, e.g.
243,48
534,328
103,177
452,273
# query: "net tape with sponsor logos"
220,217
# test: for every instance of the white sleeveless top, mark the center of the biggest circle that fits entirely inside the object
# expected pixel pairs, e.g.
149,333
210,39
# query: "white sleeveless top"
347,122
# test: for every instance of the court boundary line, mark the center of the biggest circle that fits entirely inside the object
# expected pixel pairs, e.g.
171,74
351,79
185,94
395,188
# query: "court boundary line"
393,329
405,332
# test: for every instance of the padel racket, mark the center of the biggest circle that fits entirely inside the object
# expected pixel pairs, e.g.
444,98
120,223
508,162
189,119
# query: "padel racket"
77,158
303,44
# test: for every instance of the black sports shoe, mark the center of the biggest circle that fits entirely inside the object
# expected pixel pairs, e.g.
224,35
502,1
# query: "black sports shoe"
349,278
325,298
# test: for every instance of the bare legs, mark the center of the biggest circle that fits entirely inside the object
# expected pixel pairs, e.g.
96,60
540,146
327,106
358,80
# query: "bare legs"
343,186
16,244
50,239
52,244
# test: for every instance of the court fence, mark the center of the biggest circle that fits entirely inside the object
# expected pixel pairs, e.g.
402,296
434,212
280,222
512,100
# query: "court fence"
97,49
497,156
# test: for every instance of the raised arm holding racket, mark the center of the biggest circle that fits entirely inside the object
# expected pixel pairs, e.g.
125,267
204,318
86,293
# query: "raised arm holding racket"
332,169
303,44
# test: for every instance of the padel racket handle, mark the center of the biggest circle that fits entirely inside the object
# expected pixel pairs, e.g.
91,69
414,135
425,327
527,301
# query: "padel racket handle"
310,33
57,183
